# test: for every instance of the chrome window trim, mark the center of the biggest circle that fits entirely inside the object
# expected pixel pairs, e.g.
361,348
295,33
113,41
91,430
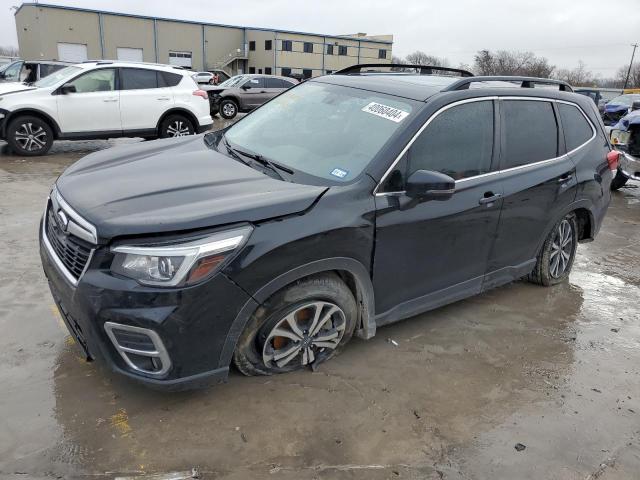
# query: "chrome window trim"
496,172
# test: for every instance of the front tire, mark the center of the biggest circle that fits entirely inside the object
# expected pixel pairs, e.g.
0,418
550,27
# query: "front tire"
29,136
176,125
228,108
558,252
618,181
306,323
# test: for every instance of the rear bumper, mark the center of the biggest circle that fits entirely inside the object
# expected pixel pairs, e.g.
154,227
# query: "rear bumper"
193,323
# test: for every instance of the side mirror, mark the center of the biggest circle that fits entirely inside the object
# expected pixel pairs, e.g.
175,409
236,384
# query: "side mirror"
430,185
246,86
67,88
635,105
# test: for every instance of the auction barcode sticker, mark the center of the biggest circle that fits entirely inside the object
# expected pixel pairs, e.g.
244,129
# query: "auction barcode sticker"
384,111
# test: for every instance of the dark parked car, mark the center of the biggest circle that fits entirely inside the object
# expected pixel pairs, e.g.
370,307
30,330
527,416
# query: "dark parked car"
600,96
30,71
243,93
618,108
348,202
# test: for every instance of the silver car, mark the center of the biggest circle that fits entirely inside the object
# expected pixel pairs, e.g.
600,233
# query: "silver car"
243,93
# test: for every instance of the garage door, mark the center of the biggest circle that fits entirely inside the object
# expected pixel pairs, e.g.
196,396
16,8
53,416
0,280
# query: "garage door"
72,52
181,59
130,54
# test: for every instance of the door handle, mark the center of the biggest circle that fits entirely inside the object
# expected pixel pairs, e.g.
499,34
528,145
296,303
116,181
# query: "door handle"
263,91
110,100
163,98
489,197
565,178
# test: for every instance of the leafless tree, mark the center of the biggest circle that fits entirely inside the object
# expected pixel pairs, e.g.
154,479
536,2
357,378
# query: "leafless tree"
421,58
634,75
9,51
578,77
397,60
504,62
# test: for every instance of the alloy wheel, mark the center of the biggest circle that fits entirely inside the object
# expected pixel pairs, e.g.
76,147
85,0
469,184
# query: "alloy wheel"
178,128
31,138
229,109
561,249
305,335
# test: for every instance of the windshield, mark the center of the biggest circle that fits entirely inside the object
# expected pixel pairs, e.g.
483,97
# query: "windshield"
625,100
58,76
328,131
233,81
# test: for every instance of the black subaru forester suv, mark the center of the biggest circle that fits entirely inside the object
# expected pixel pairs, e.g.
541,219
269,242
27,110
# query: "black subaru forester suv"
348,202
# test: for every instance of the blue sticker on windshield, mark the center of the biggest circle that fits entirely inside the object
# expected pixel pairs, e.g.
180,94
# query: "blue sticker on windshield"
338,172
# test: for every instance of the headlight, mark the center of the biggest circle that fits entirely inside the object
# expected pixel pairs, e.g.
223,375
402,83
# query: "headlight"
181,263
620,137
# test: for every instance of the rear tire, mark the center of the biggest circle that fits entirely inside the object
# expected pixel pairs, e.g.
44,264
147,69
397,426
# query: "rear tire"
176,125
556,256
618,181
29,136
228,108
305,323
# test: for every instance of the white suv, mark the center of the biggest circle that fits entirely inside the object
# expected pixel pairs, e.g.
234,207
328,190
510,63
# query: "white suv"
102,99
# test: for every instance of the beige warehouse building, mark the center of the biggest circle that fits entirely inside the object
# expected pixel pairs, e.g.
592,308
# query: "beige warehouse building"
76,34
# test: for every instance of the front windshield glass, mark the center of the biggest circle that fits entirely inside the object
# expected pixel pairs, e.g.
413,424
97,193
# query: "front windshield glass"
58,76
233,81
328,131
625,100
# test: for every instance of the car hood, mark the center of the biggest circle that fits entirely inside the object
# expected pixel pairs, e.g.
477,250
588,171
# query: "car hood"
615,107
13,87
172,185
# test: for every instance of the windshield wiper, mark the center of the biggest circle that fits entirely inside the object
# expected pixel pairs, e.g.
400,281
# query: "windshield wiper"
265,162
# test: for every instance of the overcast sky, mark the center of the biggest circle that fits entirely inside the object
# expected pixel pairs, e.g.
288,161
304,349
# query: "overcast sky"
563,31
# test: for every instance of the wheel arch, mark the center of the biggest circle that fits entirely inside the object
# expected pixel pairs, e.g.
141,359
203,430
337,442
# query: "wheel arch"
351,271
586,221
33,112
181,111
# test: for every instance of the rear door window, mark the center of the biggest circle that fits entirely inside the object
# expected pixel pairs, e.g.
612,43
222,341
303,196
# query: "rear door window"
530,132
576,128
137,79
168,79
458,142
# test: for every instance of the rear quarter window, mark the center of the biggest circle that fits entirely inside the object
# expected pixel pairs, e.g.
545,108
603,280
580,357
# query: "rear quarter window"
576,128
530,132
168,79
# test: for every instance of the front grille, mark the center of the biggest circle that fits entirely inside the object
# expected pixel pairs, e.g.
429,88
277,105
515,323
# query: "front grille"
73,252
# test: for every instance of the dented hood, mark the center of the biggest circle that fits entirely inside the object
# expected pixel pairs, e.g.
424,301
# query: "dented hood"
173,185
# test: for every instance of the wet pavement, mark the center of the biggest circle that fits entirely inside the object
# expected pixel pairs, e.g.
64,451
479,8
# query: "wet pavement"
556,370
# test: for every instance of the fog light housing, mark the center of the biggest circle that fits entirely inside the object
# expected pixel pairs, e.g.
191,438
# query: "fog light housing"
140,348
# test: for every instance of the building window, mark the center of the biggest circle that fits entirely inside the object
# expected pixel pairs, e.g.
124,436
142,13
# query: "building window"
287,46
260,70
342,49
252,45
285,71
307,72
382,53
329,72
308,47
267,44
252,69
329,49
267,70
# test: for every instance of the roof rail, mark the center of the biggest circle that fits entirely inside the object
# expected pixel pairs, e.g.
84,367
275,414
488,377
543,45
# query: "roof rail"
526,82
422,69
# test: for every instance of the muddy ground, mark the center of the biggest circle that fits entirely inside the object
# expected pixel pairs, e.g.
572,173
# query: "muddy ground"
554,369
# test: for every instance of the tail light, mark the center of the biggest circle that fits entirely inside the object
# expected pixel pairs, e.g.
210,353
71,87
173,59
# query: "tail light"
201,93
612,159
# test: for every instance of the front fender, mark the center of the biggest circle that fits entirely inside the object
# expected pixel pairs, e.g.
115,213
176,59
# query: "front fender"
366,326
